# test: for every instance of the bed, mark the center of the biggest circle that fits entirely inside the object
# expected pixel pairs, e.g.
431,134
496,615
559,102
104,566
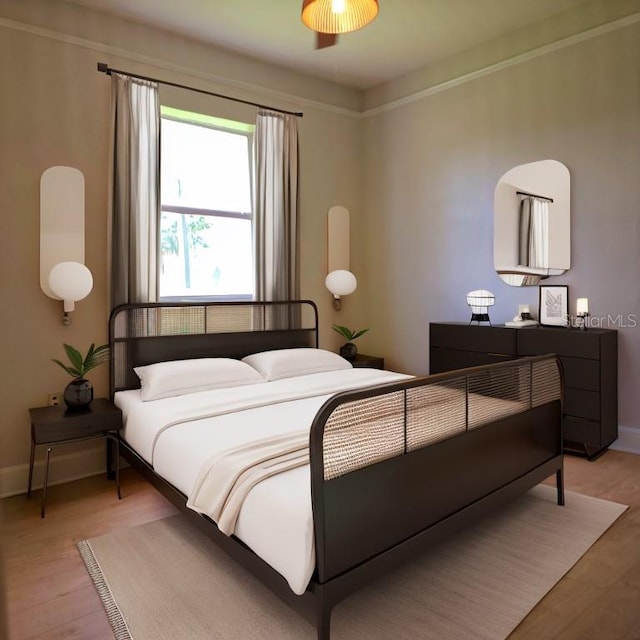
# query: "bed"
316,476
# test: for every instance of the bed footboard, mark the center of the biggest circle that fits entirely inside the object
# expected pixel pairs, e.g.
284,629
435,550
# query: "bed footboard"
394,465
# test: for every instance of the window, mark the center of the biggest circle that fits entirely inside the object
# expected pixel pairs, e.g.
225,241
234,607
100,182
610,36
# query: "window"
206,212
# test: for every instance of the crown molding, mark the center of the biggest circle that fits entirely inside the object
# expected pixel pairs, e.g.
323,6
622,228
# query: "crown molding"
505,64
300,101
165,65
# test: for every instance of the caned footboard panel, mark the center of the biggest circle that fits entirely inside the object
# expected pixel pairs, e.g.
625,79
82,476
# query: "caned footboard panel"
398,459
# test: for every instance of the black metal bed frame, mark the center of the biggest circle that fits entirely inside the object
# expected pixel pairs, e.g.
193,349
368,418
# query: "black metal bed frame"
372,517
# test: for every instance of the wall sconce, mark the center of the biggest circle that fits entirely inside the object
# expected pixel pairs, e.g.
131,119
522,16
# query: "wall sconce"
70,282
341,283
582,312
480,300
63,275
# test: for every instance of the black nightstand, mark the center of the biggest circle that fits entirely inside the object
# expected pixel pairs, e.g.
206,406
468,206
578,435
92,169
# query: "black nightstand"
56,425
369,362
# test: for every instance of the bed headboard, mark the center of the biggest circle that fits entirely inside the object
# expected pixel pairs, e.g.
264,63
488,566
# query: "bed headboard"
141,334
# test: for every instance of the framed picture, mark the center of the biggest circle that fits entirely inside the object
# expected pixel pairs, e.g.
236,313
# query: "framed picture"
554,305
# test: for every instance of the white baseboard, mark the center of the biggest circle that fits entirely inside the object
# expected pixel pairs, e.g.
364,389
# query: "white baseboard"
62,468
628,440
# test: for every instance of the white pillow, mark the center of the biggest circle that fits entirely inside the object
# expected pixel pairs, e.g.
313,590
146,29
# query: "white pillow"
286,363
178,377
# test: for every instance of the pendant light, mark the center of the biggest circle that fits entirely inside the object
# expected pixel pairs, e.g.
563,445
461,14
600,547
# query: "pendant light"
338,16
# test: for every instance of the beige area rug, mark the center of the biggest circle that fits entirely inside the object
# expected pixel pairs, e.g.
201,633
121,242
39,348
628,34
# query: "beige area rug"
167,580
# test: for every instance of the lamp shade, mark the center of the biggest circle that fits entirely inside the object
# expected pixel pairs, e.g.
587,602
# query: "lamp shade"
341,282
70,281
338,16
582,306
480,300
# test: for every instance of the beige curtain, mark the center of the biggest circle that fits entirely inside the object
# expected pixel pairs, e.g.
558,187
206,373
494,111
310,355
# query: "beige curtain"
534,233
276,207
135,195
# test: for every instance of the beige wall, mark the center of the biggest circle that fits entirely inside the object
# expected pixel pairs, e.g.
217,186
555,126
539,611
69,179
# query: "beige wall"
431,169
54,110
418,176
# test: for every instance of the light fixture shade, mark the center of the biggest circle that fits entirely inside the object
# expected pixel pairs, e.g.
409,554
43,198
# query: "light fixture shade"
480,300
341,282
338,16
70,281
582,306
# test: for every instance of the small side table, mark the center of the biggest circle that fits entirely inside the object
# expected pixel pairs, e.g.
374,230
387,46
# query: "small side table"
368,362
56,425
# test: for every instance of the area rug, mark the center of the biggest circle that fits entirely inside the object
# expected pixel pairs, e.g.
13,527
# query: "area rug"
167,580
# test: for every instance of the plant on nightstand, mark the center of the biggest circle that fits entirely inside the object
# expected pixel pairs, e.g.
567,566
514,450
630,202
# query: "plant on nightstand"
78,394
348,350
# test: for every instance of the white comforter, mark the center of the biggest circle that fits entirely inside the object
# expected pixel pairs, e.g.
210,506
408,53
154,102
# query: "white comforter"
178,435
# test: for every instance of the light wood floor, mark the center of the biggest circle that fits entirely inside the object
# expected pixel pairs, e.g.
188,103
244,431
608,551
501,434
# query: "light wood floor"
50,596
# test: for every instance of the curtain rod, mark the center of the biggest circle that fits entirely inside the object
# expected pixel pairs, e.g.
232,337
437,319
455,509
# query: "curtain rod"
533,195
104,68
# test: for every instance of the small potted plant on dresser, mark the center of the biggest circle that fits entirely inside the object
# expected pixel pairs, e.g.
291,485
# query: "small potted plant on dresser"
349,350
78,394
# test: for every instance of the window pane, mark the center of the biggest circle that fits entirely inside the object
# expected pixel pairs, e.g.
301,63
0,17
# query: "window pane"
204,168
205,256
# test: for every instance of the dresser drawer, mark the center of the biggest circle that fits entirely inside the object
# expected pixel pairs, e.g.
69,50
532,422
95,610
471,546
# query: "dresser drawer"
581,403
583,431
463,337
564,342
441,360
589,359
581,373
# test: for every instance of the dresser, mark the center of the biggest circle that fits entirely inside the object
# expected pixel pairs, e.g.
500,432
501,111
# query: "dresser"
589,359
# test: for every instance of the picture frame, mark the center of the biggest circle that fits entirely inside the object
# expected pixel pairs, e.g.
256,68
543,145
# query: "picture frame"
553,305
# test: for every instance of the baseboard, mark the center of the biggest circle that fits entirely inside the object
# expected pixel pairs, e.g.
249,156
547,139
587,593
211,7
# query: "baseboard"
628,440
63,467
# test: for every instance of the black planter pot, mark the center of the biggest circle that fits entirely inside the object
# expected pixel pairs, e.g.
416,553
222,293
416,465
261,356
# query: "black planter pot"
349,351
78,394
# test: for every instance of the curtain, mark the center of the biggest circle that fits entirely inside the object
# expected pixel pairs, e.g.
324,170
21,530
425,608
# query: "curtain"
534,233
135,190
276,207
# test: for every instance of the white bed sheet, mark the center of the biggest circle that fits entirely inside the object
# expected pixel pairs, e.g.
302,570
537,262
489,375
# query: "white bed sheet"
276,519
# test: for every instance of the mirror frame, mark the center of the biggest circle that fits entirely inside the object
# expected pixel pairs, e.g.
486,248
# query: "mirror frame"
549,179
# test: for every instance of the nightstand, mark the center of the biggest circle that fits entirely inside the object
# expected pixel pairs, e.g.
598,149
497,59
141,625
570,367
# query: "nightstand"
56,425
369,362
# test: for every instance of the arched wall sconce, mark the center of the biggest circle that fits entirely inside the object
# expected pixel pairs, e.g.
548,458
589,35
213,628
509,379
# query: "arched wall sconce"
63,275
340,281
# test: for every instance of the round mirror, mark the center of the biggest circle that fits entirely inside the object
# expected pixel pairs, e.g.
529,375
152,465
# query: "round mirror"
531,212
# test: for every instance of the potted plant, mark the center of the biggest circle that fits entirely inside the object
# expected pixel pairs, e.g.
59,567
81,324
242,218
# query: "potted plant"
78,394
349,350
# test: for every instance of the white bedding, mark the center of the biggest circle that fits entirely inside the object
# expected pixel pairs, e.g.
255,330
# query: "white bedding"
177,435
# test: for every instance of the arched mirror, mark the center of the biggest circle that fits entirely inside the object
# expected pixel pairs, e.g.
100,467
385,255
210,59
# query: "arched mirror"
531,213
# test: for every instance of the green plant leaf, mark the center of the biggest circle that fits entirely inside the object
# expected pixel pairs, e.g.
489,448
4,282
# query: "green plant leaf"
80,366
71,372
348,333
75,357
343,331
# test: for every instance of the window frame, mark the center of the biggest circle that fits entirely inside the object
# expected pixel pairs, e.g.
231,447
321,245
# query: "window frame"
219,124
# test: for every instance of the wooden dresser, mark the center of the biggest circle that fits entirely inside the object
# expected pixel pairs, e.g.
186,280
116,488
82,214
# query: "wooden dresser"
589,359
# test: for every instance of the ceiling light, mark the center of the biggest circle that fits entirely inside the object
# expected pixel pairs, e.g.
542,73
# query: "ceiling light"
338,16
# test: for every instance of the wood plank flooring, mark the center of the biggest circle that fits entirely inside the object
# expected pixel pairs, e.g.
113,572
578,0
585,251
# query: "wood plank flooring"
50,596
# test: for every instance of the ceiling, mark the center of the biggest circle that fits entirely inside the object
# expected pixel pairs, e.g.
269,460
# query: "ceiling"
406,35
